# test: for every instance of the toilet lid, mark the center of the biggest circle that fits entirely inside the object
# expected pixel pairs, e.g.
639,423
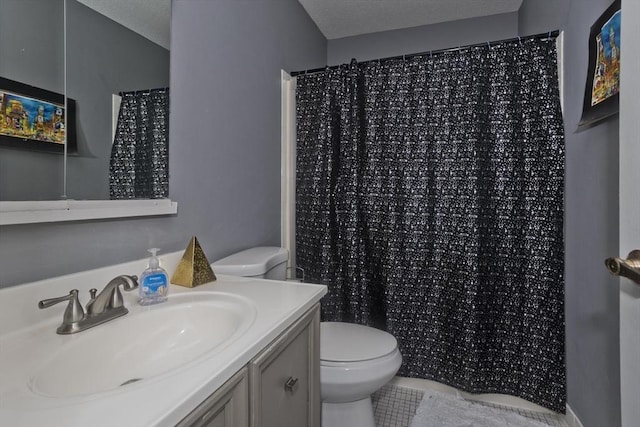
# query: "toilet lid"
348,342
251,262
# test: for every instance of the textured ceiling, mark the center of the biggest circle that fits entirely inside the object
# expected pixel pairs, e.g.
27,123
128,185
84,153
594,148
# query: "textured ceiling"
344,18
149,18
335,18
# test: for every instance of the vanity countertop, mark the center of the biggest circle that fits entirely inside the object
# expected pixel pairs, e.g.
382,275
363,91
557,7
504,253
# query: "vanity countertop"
28,341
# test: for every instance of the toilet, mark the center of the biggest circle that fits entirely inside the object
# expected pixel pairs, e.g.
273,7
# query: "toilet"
355,360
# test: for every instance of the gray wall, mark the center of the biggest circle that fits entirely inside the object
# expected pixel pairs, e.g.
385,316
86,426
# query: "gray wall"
421,39
591,228
225,127
35,58
225,144
540,16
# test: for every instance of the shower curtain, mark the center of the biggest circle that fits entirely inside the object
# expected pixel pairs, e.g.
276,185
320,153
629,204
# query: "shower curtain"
430,202
139,167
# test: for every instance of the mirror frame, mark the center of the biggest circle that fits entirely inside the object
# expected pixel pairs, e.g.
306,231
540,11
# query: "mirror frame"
33,212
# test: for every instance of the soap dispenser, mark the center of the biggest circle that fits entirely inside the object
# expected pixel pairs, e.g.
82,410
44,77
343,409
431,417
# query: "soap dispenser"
154,282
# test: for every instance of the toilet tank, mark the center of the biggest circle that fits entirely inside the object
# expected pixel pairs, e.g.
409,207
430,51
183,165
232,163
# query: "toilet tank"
268,262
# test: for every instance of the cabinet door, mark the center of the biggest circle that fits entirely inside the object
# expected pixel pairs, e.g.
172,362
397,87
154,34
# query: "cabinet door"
227,407
285,377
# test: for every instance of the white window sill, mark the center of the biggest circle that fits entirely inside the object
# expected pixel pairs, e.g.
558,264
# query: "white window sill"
31,212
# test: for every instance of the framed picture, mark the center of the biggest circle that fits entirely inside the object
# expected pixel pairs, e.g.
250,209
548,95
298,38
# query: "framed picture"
602,89
35,119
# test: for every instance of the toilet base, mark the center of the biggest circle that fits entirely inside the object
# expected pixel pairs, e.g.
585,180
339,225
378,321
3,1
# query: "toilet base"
349,414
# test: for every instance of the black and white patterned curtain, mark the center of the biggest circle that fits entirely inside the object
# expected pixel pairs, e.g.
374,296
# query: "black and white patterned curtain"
430,202
139,167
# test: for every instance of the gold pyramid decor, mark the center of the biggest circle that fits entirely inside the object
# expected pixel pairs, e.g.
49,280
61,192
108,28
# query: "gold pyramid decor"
193,269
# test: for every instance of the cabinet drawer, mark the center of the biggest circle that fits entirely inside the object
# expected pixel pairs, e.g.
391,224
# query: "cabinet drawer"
285,380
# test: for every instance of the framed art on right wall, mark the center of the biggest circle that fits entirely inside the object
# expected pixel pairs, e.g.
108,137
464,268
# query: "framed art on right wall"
602,88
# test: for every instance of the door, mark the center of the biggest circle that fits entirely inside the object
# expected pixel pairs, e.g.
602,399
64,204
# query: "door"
630,210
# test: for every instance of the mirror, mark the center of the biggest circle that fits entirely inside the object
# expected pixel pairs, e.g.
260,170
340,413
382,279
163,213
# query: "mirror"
103,58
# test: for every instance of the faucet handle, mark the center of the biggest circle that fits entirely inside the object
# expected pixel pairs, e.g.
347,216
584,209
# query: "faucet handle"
74,311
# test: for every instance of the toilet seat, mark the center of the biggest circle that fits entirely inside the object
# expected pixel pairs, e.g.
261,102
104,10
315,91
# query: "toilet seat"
362,364
342,382
342,343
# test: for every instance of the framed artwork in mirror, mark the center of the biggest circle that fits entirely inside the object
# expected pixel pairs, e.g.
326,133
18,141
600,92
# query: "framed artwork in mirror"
35,119
602,89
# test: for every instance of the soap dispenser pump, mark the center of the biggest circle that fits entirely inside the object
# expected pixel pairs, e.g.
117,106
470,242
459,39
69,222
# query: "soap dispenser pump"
154,281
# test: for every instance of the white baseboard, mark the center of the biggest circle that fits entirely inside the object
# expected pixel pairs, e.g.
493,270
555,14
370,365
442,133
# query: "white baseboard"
572,418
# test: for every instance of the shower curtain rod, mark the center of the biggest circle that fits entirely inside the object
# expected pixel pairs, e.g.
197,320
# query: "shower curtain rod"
542,36
143,90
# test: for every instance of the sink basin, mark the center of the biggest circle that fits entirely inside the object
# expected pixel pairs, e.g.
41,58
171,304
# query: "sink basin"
146,343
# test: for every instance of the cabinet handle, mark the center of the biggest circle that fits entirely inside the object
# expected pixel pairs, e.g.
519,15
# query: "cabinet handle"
291,385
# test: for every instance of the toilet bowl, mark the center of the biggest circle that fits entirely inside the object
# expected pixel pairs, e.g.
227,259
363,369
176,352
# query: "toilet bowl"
355,360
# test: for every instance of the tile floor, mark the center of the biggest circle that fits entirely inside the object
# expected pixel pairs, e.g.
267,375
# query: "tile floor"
395,406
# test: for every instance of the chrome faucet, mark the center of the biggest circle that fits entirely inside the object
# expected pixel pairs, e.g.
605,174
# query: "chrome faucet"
105,306
110,298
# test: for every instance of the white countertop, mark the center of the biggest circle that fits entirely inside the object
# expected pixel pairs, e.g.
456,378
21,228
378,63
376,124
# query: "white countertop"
159,401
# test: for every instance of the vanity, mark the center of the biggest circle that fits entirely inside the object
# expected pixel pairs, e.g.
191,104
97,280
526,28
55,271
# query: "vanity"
234,352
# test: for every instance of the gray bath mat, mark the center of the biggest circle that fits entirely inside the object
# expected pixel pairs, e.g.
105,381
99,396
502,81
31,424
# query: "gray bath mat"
448,410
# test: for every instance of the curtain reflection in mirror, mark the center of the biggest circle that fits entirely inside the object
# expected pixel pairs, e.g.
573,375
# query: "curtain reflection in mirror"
139,167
